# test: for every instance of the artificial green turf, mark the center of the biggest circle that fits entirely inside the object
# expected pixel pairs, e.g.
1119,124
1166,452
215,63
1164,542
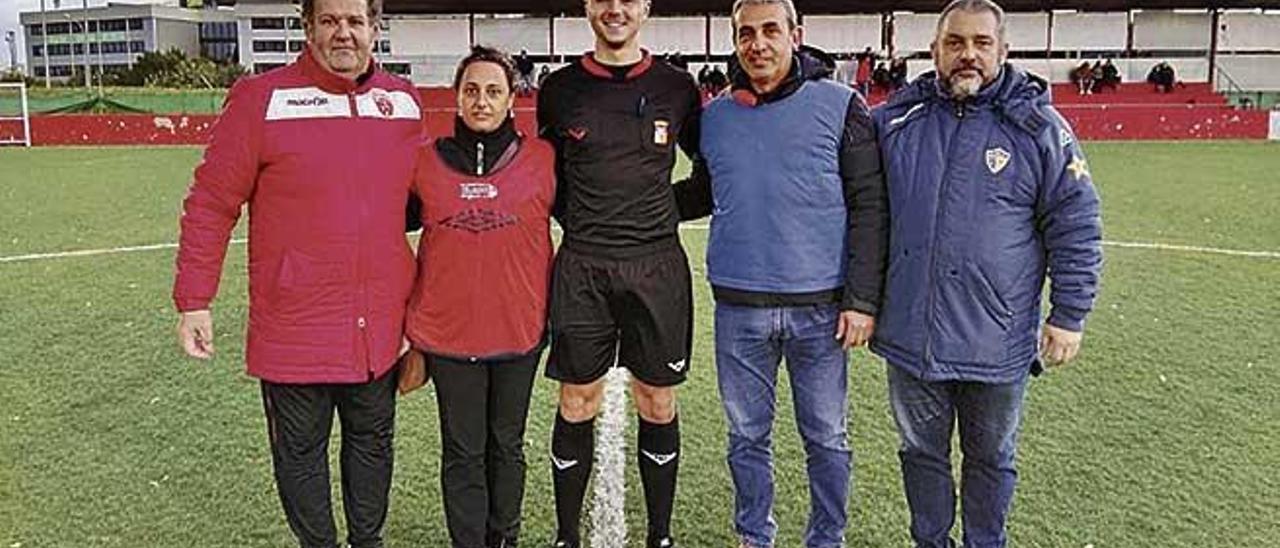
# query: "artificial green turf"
1162,434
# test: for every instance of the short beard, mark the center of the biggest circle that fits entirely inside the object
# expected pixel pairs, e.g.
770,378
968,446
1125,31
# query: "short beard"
964,88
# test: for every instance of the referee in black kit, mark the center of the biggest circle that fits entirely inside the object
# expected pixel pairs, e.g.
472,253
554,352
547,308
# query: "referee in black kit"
621,288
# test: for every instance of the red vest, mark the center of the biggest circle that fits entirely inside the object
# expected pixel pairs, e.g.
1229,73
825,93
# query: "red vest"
484,260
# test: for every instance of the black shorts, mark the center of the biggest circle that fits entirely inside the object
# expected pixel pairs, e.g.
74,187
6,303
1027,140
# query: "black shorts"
632,307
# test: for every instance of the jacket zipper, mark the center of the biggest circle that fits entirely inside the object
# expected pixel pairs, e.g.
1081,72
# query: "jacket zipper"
362,323
479,158
933,248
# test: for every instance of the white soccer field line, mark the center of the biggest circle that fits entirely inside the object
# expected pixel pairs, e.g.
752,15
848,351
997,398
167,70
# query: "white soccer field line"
1156,246
609,491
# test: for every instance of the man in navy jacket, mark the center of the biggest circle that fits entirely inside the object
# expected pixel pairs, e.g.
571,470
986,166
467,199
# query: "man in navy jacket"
989,191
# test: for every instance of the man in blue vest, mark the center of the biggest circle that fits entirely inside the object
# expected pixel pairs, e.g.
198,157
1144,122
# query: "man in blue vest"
795,259
989,191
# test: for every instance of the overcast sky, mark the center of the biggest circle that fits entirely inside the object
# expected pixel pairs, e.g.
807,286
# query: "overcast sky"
9,21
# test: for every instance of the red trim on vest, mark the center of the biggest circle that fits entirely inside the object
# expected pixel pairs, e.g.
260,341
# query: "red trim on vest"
595,68
745,97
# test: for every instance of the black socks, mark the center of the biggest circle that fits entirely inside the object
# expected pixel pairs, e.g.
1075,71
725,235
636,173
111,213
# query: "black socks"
572,452
659,456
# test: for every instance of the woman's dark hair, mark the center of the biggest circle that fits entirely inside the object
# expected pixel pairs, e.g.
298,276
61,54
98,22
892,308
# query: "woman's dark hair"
486,54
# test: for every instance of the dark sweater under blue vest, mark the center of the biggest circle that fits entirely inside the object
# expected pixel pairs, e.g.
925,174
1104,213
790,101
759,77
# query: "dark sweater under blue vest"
780,221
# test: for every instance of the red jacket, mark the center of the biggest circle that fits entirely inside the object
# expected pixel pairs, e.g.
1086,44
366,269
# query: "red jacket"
485,256
325,166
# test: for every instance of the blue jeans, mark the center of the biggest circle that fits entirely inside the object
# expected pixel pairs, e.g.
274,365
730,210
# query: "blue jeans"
750,342
988,416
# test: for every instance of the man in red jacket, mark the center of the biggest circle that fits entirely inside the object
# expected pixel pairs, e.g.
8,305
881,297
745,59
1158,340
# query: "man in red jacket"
322,151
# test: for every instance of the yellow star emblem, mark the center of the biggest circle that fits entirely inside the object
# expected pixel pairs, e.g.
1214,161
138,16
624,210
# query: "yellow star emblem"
1079,168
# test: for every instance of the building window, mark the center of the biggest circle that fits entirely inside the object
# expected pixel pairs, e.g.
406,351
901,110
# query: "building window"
135,24
223,52
93,26
59,28
218,32
115,47
79,48
397,68
113,25
59,49
267,23
137,46
36,30
268,46
296,45
93,48
383,46
37,51
295,23
259,68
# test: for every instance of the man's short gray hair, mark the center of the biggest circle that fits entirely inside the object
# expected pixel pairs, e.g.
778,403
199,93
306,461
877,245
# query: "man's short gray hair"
974,6
793,18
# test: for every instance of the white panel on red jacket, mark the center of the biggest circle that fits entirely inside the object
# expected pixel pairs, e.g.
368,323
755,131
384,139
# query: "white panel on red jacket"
305,103
391,105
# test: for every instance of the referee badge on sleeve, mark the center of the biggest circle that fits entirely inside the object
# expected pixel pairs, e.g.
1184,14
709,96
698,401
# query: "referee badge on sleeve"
660,134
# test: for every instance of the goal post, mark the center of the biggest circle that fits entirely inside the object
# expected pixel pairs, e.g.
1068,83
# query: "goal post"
15,115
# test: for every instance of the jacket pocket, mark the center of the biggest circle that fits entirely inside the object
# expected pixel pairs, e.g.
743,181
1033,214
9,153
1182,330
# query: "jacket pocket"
972,325
989,297
308,290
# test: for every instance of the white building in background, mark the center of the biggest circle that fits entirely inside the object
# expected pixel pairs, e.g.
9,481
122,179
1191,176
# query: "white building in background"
106,38
259,35
269,35
265,34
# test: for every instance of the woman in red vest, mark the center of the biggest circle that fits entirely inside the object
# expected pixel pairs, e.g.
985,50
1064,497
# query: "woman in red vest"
478,310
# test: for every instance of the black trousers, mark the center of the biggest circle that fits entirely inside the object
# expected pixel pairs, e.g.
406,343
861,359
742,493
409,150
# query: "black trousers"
299,418
483,409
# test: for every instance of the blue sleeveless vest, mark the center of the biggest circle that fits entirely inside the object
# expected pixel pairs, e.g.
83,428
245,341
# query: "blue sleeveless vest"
780,222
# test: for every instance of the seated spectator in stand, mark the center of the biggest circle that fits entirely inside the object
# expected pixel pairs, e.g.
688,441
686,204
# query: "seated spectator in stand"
543,72
1110,77
897,73
717,80
1168,78
1082,77
880,78
1162,77
1095,73
677,60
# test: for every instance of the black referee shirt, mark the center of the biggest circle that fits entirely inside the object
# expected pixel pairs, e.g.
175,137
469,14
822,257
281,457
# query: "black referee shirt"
615,135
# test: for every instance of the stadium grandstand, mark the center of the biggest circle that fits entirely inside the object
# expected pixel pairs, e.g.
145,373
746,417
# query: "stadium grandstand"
1223,55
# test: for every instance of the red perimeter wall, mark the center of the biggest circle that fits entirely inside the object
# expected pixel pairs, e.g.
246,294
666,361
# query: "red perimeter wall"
1091,122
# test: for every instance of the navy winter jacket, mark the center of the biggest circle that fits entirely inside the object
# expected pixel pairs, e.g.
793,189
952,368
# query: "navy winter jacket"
986,197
